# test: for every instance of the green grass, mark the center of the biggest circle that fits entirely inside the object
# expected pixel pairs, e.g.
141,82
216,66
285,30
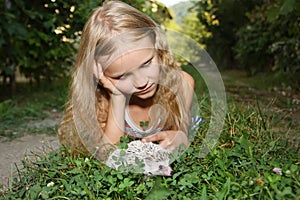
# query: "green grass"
30,104
263,81
239,167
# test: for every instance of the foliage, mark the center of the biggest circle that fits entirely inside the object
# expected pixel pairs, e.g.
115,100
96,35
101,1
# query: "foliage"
241,166
180,10
271,40
40,38
194,29
259,36
35,37
154,9
223,18
186,22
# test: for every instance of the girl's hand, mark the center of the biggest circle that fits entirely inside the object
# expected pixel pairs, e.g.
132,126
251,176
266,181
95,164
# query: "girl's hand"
107,84
104,81
168,140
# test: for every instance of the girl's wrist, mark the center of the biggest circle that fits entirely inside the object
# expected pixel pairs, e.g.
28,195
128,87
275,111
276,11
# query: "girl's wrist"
118,100
118,97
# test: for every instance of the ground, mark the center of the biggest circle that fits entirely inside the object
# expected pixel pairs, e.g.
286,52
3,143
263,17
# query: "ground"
12,152
277,100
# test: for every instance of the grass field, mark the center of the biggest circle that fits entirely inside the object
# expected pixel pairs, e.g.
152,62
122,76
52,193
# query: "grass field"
256,157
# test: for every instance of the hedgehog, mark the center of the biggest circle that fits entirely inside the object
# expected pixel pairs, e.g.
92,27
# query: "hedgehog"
145,157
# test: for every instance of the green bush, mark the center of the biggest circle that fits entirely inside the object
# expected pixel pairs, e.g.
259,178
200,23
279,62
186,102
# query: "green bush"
258,36
269,44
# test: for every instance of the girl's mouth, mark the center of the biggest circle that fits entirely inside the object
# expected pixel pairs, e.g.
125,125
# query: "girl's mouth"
146,90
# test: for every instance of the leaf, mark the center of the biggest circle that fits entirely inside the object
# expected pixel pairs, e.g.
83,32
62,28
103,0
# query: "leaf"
225,190
272,13
287,7
158,192
203,193
246,144
294,168
122,153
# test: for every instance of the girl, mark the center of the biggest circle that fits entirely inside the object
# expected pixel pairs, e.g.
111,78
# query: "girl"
125,83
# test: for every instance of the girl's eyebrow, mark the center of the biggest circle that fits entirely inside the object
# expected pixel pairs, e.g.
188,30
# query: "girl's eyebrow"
152,56
144,63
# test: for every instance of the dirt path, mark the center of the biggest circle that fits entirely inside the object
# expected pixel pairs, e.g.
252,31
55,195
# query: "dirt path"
12,152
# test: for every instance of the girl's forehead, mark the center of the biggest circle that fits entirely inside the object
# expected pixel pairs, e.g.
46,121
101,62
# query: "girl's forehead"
124,49
129,61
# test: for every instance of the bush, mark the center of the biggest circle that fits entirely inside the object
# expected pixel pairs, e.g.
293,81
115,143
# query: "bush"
269,44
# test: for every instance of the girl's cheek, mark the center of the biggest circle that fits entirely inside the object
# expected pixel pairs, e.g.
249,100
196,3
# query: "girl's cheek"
124,86
154,72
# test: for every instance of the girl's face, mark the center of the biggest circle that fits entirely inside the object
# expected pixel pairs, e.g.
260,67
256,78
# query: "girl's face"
136,72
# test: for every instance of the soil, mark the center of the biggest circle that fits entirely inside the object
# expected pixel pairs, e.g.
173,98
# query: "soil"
12,152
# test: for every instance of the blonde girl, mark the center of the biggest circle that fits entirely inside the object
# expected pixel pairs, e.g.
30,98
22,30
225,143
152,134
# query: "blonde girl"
125,83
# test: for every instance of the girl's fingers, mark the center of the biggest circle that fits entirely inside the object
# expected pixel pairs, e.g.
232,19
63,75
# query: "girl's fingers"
154,138
98,72
106,83
165,144
168,140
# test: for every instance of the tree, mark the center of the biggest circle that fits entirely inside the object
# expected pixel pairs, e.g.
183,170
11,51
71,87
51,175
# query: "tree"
270,42
37,36
223,18
186,22
40,37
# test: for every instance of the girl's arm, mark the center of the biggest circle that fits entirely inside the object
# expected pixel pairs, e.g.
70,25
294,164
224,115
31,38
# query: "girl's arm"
171,139
187,89
115,124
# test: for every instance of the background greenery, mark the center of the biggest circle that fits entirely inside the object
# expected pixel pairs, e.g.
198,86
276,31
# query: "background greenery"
40,38
255,45
259,36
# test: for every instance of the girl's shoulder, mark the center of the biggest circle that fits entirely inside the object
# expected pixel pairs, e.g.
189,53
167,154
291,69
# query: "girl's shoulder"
188,79
187,89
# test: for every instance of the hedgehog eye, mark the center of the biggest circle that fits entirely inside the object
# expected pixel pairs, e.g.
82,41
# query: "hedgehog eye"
160,167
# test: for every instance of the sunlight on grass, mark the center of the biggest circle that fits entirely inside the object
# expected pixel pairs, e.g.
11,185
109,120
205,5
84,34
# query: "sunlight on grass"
240,167
252,160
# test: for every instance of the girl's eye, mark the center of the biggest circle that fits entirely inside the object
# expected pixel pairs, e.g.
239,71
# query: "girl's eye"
124,76
146,64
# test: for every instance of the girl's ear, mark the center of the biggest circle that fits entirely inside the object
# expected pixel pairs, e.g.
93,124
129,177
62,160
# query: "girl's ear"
97,70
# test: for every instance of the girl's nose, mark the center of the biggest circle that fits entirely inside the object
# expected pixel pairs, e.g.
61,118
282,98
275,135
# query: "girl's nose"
140,82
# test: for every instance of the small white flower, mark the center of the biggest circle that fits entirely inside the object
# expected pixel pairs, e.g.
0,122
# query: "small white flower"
51,184
86,160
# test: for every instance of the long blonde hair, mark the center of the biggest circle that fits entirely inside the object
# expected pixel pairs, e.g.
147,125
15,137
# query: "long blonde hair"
86,112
